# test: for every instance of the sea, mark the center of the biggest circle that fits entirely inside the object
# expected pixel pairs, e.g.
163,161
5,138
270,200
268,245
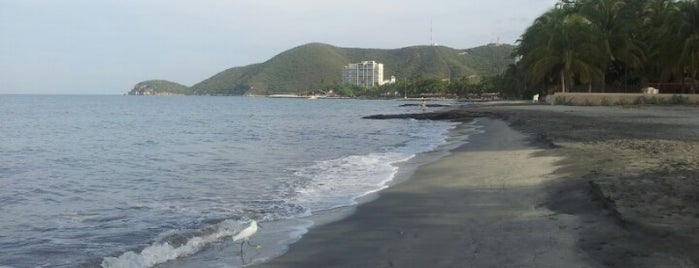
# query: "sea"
126,181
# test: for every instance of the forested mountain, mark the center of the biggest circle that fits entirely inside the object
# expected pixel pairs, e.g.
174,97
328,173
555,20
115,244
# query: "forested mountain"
316,65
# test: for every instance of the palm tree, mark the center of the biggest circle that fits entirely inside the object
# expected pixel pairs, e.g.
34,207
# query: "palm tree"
657,35
612,24
596,40
562,42
686,26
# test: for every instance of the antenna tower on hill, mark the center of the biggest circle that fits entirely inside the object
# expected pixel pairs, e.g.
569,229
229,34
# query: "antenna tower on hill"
432,43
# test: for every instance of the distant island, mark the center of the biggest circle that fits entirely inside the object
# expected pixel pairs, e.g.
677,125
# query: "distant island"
159,87
318,67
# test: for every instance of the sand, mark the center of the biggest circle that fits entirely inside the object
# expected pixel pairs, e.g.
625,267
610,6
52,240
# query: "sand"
641,163
543,186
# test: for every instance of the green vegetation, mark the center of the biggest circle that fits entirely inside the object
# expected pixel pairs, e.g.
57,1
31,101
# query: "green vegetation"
158,87
316,66
608,45
472,86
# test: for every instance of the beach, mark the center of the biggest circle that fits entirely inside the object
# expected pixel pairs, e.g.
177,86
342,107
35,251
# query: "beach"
542,186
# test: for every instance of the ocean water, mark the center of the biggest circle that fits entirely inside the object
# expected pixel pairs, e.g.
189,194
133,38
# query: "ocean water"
119,181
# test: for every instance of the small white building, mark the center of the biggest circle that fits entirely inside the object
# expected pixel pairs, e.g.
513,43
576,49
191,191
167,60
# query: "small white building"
391,81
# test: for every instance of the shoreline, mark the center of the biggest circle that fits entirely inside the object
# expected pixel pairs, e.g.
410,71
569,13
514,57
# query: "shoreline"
273,235
607,158
434,217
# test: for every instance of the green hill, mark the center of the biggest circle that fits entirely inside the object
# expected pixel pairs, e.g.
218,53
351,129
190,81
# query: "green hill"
158,87
319,65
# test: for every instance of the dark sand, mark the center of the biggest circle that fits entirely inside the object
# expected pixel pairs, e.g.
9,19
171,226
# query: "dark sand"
582,187
640,163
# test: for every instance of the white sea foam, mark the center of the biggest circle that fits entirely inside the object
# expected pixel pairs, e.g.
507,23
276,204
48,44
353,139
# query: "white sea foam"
161,252
329,184
339,182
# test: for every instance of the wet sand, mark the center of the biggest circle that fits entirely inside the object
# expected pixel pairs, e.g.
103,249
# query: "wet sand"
559,187
478,207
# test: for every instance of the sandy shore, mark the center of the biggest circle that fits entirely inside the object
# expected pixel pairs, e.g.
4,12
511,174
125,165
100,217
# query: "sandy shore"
640,163
559,187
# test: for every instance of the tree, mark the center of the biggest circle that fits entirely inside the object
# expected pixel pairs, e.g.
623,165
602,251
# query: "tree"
657,15
685,26
561,42
613,26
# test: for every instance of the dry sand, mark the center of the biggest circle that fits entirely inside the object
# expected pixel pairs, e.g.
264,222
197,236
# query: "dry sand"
640,162
582,187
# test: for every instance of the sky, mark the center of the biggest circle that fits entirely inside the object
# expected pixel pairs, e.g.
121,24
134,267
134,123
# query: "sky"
107,46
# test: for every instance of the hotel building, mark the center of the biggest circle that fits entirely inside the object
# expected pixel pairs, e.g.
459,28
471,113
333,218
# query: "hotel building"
365,74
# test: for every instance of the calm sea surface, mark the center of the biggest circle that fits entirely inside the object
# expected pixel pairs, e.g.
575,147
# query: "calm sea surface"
119,181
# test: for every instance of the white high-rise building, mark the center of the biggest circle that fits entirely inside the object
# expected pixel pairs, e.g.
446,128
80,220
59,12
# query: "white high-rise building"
365,74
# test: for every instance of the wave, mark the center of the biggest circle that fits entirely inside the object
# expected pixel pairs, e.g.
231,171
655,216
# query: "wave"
340,182
161,252
324,185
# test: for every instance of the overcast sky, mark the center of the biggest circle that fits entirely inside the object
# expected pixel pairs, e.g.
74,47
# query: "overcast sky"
107,46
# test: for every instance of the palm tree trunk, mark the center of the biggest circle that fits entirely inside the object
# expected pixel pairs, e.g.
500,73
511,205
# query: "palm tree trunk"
682,85
563,82
604,82
693,89
626,78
